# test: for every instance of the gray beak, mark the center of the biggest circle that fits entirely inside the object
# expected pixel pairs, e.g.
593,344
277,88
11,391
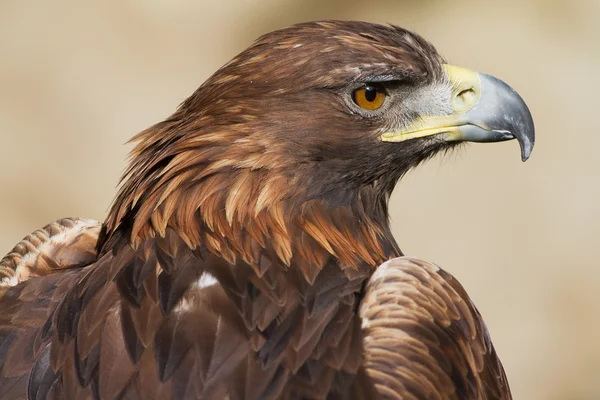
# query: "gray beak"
501,114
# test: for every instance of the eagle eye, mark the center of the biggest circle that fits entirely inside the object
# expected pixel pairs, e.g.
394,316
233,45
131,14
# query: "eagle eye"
370,96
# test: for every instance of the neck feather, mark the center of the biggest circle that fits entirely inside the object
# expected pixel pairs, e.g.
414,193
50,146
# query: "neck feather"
234,197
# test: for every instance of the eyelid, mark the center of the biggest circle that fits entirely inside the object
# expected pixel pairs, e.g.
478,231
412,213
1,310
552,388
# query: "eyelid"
378,78
378,85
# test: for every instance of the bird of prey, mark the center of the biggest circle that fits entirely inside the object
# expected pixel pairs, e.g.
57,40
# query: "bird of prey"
248,253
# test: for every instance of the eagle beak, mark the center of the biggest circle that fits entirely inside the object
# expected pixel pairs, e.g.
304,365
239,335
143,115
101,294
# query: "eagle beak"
485,109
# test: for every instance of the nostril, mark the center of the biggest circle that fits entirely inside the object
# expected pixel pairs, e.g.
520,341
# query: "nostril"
465,97
466,93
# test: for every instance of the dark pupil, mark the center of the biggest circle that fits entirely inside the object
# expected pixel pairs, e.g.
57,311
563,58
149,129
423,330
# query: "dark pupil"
370,93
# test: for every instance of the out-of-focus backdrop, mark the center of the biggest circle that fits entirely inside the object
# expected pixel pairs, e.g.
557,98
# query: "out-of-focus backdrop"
77,79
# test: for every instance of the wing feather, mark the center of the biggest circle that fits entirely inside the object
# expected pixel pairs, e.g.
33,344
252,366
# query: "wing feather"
424,338
65,243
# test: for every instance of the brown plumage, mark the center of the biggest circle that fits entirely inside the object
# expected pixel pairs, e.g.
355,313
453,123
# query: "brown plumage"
66,243
234,259
424,338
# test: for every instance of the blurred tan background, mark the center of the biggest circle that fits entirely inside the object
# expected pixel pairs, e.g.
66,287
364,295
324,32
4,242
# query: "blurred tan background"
77,79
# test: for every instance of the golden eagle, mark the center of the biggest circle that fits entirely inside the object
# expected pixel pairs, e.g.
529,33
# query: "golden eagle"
248,253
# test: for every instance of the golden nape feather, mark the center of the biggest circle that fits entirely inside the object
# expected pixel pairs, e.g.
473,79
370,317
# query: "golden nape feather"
246,253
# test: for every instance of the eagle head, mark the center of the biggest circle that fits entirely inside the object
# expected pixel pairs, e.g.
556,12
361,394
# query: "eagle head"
308,128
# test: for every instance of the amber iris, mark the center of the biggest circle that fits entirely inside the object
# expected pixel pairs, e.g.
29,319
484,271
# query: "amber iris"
369,97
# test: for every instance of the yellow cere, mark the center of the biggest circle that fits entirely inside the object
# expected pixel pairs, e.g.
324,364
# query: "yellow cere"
466,87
